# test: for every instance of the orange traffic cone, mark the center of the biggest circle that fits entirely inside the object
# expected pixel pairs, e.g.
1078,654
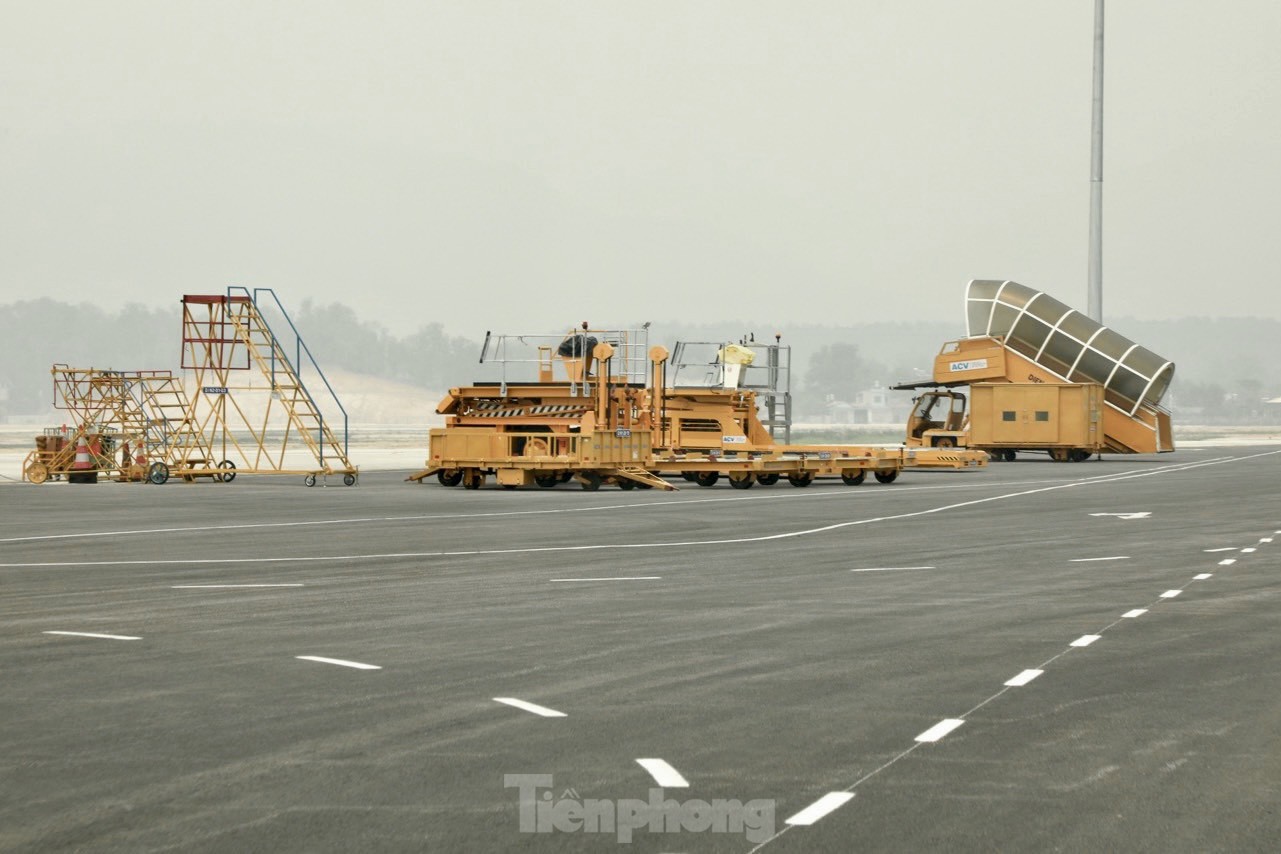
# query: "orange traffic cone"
82,470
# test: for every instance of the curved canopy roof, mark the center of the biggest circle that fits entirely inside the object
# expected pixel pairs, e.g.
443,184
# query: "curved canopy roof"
1067,343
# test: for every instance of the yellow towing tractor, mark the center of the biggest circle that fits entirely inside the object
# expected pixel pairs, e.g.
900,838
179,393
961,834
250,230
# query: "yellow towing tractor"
601,406
1042,377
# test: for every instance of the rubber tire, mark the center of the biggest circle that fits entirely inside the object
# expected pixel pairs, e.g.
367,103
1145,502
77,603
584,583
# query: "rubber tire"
886,476
472,479
37,473
349,479
743,483
1079,455
854,479
767,479
547,481
691,476
449,477
228,471
800,480
590,481
158,473
626,483
707,478
309,480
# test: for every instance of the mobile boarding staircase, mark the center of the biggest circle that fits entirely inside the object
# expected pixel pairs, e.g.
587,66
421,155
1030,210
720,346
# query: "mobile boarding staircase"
1017,334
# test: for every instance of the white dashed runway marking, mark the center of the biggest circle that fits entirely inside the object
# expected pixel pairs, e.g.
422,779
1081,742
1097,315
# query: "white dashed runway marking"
357,665
820,808
663,773
536,709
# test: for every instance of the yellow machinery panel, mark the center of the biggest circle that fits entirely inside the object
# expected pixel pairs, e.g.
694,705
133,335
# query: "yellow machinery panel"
1023,414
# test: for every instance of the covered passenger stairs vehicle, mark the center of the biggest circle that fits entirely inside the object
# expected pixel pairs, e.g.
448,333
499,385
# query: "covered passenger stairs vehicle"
1042,376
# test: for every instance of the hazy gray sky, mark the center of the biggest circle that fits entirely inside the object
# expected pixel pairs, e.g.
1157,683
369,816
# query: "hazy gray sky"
519,166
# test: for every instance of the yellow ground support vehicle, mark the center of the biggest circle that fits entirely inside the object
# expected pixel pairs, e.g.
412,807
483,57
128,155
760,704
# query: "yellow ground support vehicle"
1042,377
614,419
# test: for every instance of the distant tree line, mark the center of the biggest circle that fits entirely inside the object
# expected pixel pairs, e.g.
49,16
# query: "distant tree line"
35,334
1226,367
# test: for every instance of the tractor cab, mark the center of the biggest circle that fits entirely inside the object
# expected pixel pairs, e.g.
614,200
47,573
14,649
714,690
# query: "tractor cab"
937,420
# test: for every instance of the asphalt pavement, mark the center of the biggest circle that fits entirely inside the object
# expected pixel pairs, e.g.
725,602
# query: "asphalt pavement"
1038,656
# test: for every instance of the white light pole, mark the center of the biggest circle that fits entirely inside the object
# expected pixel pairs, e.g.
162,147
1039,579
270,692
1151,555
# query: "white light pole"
1096,174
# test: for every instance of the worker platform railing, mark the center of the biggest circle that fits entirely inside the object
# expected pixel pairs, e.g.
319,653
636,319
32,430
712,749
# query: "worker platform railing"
523,358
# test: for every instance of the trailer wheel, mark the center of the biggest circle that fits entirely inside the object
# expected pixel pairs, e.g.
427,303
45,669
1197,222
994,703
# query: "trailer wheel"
228,471
691,476
566,476
37,472
1011,455
744,482
347,479
1079,455
158,473
767,478
590,480
547,481
309,480
626,483
449,477
800,480
887,476
706,478
853,477
472,479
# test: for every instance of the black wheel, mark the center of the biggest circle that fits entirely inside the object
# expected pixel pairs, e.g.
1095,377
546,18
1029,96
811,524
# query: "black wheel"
1011,456
887,476
645,485
707,478
547,481
767,479
228,471
853,477
691,476
744,482
309,480
472,479
449,477
566,476
590,481
349,479
158,473
626,483
1079,455
800,480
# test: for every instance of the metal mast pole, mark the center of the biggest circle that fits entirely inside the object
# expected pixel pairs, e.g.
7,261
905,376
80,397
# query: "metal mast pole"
1096,174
